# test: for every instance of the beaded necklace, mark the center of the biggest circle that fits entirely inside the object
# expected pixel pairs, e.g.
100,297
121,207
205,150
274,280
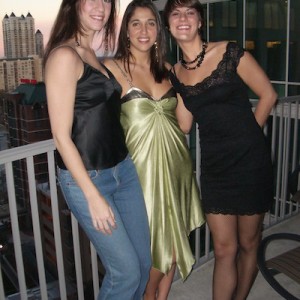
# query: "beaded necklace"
199,57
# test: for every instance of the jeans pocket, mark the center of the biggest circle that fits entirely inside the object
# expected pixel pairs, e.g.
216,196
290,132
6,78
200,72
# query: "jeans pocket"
65,177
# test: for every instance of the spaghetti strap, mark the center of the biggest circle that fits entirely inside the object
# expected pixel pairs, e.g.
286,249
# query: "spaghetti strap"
123,73
173,71
110,74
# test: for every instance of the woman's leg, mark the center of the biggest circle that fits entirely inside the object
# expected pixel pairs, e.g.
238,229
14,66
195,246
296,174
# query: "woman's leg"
249,232
152,285
130,203
224,233
116,251
165,284
159,284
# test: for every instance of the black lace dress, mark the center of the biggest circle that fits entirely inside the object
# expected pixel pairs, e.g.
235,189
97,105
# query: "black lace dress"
236,169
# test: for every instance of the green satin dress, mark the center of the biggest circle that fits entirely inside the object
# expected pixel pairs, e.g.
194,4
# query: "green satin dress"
159,150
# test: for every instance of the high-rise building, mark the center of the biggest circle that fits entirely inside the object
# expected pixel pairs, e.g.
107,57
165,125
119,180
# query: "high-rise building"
15,71
26,120
3,146
39,43
23,50
18,36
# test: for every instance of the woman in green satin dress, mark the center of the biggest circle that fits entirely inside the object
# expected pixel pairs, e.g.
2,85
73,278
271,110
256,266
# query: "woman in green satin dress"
157,144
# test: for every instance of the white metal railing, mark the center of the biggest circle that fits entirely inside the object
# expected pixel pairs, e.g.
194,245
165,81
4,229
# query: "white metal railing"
7,157
282,130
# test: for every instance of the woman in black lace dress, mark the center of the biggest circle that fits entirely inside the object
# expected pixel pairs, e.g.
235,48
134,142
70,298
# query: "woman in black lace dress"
236,170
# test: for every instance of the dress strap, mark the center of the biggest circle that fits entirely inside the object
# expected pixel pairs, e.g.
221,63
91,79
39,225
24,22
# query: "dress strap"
173,71
123,73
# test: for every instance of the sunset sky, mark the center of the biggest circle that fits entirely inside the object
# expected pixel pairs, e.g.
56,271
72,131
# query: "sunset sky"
43,12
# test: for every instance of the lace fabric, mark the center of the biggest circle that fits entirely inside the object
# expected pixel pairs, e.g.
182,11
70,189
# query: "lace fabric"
236,168
225,72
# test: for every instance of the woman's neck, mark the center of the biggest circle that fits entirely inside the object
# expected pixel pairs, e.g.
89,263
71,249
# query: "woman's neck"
85,42
141,58
191,49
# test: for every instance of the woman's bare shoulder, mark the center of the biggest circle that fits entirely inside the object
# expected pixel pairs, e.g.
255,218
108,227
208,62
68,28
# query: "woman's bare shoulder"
108,61
64,62
113,64
64,53
218,47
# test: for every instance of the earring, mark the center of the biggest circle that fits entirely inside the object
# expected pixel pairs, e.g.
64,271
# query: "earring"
128,42
156,51
77,42
106,47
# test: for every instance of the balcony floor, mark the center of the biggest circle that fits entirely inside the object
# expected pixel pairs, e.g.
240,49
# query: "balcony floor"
198,284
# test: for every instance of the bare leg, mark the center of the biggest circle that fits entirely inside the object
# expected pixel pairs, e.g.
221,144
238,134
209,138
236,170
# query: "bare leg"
152,285
249,229
224,232
165,284
159,284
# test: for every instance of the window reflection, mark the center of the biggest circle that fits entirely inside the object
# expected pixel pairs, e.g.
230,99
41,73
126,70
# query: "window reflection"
275,14
229,15
294,45
266,24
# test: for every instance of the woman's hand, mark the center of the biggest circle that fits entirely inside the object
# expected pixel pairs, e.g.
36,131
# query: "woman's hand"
102,215
254,76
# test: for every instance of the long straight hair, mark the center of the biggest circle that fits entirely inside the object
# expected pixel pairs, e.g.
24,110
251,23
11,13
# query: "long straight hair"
157,57
67,25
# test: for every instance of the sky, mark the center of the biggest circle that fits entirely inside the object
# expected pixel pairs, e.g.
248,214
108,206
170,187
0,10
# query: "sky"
43,12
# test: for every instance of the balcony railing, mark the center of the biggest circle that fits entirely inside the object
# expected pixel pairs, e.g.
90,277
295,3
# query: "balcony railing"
50,274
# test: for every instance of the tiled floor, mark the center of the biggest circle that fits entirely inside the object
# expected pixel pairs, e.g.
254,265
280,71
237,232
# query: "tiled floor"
198,285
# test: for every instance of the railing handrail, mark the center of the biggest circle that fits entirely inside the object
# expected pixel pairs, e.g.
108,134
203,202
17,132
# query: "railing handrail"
21,152
24,151
288,99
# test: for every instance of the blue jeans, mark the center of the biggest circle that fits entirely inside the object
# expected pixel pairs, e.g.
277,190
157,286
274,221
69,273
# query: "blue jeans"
125,254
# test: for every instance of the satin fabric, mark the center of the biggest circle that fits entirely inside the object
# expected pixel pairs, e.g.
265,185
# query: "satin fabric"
160,153
96,129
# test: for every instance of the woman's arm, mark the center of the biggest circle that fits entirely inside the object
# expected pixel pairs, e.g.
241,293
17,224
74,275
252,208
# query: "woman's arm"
184,116
254,76
62,71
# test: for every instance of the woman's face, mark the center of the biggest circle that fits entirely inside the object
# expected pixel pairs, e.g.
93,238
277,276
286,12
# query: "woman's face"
94,14
184,23
142,30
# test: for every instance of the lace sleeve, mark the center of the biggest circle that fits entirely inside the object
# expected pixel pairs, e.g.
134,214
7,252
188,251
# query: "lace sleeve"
234,52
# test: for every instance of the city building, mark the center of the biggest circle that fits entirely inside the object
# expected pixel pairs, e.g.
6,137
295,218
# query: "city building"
3,146
15,71
39,43
23,50
26,121
18,36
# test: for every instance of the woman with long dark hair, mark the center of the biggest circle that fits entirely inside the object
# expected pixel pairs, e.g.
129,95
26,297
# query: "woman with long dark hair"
95,172
157,145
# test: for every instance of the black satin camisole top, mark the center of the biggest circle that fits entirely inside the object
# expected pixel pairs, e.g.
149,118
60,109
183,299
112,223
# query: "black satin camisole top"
97,132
